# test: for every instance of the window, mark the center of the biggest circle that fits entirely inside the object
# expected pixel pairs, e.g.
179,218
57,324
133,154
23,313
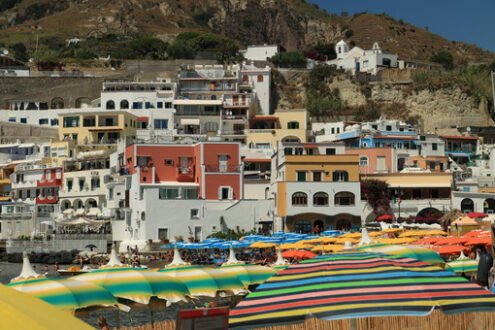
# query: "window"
162,233
168,193
263,145
260,78
18,227
89,121
95,183
317,176
293,125
110,105
299,198
416,193
287,151
301,176
110,193
71,121
299,151
12,119
74,137
366,63
168,105
137,105
380,163
434,146
374,126
194,214
159,105
435,193
169,162
124,104
54,122
333,130
344,198
190,193
320,199
161,123
24,121
330,151
363,161
225,193
388,128
147,105
340,176
433,165
302,226
222,163
69,184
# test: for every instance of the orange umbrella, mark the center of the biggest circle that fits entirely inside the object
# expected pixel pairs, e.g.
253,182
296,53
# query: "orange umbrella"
480,241
448,250
427,241
453,240
298,254
477,233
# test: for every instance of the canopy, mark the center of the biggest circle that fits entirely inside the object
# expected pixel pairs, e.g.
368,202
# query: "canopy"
477,215
354,285
464,221
20,311
81,221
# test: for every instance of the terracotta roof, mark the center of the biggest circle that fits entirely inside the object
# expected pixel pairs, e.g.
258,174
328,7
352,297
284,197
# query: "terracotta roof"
455,137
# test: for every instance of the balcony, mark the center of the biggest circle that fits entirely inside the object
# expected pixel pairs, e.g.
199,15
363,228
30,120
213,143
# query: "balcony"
46,199
16,215
185,174
47,182
222,168
236,104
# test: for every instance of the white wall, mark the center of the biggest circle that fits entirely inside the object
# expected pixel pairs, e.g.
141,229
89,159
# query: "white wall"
260,53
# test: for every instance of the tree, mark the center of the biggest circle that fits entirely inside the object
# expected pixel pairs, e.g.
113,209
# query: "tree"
319,107
325,49
445,58
376,194
294,59
19,50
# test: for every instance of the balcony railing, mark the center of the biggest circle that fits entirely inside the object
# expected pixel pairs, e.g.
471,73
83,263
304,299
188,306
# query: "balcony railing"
222,168
20,215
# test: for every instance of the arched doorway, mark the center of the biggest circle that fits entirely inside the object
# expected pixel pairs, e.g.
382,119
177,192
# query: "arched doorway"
467,205
489,206
57,103
302,226
318,223
430,212
83,102
343,221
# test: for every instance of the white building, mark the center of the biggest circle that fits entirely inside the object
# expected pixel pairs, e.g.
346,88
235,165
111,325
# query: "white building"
260,52
358,60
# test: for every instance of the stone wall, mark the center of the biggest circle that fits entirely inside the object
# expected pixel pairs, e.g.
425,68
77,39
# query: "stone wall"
16,246
11,132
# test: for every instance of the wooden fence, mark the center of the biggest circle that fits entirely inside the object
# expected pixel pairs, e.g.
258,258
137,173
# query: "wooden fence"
434,321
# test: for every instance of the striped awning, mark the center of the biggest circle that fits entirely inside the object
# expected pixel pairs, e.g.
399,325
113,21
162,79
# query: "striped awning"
355,285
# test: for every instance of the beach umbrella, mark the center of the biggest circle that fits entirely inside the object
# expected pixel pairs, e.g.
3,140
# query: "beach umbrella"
477,233
137,285
249,274
375,233
453,240
298,254
395,241
356,285
393,230
203,281
448,250
341,240
407,251
463,265
262,245
385,217
427,241
477,215
326,239
479,241
66,293
20,311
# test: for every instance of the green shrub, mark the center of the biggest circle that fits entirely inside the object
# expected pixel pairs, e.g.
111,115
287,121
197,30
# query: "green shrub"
293,59
445,58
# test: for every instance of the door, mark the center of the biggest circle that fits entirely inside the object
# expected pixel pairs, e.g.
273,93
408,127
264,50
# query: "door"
235,100
357,66
243,99
197,233
184,165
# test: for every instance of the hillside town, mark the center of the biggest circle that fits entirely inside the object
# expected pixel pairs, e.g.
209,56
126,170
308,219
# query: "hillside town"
201,151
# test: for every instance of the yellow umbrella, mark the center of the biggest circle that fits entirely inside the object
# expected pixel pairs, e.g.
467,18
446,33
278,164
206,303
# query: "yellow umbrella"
436,232
262,245
346,235
309,241
375,233
20,311
333,248
393,230
343,240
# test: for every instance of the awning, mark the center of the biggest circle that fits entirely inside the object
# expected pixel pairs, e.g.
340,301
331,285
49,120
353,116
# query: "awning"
189,121
26,145
143,119
257,160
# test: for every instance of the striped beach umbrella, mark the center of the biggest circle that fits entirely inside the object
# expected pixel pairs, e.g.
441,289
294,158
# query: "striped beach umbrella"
464,265
249,274
67,294
409,251
355,285
203,281
137,285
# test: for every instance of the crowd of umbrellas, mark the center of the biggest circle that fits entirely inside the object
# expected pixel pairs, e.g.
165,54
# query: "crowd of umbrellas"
342,275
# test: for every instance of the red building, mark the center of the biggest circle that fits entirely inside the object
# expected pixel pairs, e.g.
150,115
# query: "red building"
213,167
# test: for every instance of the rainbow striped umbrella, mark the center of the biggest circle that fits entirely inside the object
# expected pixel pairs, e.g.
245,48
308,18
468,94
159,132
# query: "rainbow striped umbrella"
464,265
249,274
66,294
408,251
137,285
203,281
358,284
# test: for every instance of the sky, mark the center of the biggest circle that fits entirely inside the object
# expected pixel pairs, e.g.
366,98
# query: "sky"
471,21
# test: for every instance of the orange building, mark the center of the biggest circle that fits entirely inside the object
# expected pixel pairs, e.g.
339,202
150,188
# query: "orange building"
374,160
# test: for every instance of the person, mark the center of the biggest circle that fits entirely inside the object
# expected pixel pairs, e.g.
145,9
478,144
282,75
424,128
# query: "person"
45,268
102,323
317,230
55,267
484,266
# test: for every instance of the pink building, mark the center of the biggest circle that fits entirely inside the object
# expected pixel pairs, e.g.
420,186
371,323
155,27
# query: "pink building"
374,160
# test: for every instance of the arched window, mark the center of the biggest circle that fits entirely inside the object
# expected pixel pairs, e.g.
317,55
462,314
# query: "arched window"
110,105
299,198
340,176
260,78
293,125
363,161
124,104
57,103
467,205
320,198
344,198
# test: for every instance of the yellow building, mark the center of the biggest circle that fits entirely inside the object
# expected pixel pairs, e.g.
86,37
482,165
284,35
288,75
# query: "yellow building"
5,187
286,126
316,186
97,127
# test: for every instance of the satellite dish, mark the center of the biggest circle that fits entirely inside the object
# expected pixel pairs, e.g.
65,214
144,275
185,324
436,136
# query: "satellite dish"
5,52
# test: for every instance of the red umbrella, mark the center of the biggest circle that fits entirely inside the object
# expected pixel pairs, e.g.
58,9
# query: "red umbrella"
298,254
385,217
477,215
427,241
453,240
480,241
448,250
477,233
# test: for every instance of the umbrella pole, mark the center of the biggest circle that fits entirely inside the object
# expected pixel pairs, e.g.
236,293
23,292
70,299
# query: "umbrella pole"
117,318
151,316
